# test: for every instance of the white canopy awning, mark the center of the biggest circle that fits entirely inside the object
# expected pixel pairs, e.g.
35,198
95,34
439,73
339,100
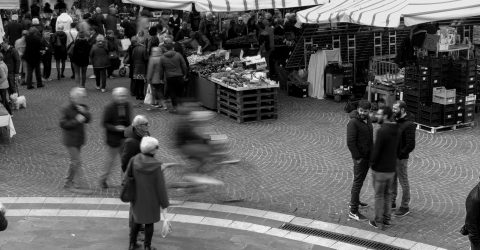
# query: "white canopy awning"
9,4
387,13
225,5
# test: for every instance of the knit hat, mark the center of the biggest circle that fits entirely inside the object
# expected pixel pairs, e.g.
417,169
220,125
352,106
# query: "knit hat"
148,145
15,17
35,21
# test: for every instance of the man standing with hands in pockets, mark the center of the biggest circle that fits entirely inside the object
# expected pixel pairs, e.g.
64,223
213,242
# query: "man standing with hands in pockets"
74,117
117,116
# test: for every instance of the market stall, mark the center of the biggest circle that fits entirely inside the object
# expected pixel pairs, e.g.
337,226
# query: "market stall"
236,87
6,122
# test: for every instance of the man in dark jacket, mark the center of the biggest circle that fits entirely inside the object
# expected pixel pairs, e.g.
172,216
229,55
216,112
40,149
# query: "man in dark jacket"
472,220
383,160
12,60
98,21
3,220
359,142
117,116
406,145
33,57
134,135
174,69
111,21
74,117
13,30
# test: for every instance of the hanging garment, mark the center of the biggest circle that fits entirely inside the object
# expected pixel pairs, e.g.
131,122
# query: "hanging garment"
316,74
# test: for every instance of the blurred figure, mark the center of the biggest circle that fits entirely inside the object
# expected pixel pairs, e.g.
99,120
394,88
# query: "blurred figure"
111,21
4,85
383,161
134,135
74,117
140,63
99,57
35,9
98,21
13,30
37,25
151,191
20,46
129,26
114,46
195,19
47,52
3,219
71,37
64,20
128,60
241,27
59,41
183,33
80,58
53,22
278,27
154,79
33,57
472,219
47,9
174,23
116,117
13,62
27,21
360,143
405,146
174,69
152,40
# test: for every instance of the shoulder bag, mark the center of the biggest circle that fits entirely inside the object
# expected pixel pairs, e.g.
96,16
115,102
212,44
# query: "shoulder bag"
127,194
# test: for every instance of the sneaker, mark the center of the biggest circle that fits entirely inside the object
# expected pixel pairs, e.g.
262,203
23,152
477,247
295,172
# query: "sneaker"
104,90
394,206
373,224
357,216
363,204
401,212
98,88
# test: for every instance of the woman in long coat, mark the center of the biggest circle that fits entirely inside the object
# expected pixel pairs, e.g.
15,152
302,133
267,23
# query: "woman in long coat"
140,62
151,191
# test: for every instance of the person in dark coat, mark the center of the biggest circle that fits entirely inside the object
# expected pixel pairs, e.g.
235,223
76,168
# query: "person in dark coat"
99,57
359,142
59,41
150,191
33,57
472,219
129,27
111,21
13,62
81,57
13,30
174,23
47,9
140,62
174,69
383,160
195,19
53,21
117,116
60,6
133,135
3,219
114,46
27,21
98,21
47,53
406,145
35,9
74,117
128,60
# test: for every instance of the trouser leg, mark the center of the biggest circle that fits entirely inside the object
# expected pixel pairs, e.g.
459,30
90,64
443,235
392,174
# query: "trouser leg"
360,170
38,74
29,75
103,75
112,154
402,173
148,234
96,71
134,233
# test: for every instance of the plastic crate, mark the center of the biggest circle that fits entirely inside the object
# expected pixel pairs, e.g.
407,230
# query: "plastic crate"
444,96
469,116
449,108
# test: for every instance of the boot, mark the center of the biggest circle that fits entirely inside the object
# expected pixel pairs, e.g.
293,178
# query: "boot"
150,248
133,246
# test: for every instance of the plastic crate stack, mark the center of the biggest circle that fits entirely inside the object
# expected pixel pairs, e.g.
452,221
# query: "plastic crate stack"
463,78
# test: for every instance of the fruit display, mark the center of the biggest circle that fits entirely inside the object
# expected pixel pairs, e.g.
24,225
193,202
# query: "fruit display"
212,65
194,58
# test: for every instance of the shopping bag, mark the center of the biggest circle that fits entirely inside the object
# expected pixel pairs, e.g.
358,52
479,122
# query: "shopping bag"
148,96
166,226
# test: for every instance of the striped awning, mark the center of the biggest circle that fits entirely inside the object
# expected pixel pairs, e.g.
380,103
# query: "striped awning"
9,4
225,5
387,13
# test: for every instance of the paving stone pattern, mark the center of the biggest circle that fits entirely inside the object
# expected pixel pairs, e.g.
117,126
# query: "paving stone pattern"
298,164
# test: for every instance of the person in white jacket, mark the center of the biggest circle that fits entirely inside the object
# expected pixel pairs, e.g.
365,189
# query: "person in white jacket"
64,20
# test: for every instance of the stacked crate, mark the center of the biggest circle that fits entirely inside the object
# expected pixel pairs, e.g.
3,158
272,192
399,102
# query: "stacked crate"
463,78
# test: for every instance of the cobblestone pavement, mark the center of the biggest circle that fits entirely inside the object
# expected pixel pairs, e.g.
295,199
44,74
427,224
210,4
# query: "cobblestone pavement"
298,164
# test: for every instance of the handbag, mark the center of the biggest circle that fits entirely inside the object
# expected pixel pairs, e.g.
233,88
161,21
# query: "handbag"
127,194
148,96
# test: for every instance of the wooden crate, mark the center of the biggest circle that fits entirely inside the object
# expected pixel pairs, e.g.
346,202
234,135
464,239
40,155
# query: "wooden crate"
248,105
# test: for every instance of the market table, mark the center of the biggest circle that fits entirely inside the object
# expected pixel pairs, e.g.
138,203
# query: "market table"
6,121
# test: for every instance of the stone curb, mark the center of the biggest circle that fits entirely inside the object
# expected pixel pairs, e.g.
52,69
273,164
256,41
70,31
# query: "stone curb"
266,222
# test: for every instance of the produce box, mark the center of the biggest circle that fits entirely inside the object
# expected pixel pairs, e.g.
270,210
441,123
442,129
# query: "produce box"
443,96
298,90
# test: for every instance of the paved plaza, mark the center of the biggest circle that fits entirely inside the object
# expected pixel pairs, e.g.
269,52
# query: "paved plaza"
298,165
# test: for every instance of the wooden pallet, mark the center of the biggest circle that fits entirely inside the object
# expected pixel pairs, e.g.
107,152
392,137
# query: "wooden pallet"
433,130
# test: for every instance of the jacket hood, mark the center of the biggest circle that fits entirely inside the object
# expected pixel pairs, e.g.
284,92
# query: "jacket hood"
146,164
170,54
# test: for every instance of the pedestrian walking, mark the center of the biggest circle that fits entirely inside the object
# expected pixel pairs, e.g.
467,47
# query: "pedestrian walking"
72,35
74,117
150,191
20,46
13,30
33,57
472,219
111,20
154,79
59,41
360,143
140,63
4,85
47,53
383,162
128,60
100,62
114,47
116,118
98,21
406,145
80,57
134,135
174,69
13,62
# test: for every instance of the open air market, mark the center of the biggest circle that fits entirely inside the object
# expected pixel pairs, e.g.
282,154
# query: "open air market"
240,124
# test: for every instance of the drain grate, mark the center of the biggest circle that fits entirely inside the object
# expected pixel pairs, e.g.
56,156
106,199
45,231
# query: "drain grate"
339,237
